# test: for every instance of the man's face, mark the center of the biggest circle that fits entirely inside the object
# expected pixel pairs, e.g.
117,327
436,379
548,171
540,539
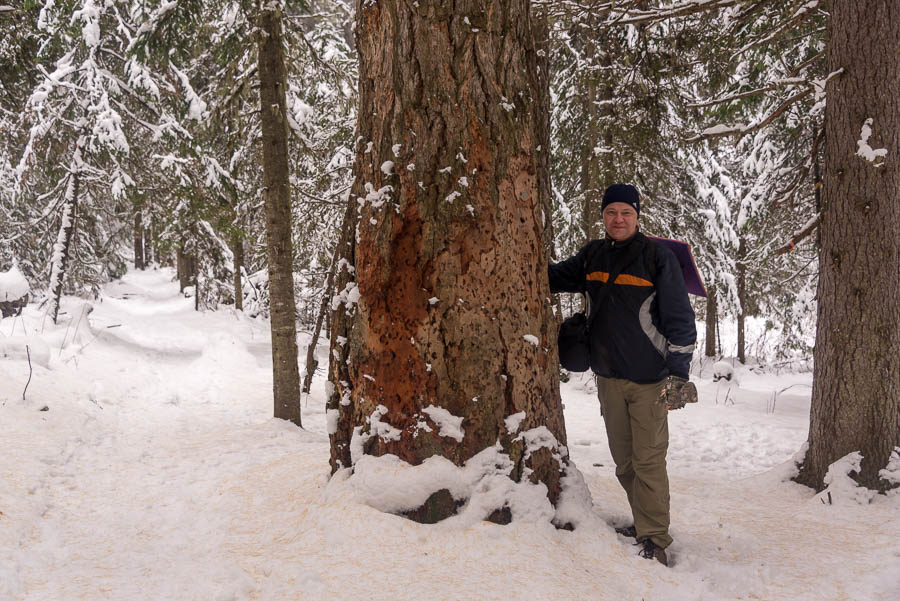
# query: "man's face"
620,220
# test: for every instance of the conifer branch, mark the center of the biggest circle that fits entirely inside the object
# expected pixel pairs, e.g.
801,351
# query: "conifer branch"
805,231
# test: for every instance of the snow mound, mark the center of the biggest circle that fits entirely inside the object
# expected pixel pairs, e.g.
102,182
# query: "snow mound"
23,347
892,472
840,487
722,370
391,485
13,285
224,352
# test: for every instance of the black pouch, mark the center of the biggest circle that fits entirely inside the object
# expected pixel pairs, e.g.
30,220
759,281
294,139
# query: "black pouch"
574,352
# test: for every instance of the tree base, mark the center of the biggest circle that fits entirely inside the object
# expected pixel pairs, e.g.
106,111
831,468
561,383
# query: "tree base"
439,506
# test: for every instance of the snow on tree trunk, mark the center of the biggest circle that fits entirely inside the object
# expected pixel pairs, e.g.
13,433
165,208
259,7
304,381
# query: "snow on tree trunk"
273,111
339,410
856,383
453,318
60,257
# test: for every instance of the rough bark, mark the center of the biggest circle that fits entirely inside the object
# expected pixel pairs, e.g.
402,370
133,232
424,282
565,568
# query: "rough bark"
856,382
273,112
711,321
450,261
59,259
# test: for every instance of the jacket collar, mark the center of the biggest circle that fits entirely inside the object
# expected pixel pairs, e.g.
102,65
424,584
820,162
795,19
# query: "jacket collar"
623,243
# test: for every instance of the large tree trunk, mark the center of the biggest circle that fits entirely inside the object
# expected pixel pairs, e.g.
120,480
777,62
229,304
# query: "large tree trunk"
60,257
712,319
453,308
856,383
273,110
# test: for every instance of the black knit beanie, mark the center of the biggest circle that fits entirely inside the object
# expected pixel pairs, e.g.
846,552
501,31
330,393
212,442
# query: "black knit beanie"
622,193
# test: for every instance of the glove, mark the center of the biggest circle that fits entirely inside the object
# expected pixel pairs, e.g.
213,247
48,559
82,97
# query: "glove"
677,392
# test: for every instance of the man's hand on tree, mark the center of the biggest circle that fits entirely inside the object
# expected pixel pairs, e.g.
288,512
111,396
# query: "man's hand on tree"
677,392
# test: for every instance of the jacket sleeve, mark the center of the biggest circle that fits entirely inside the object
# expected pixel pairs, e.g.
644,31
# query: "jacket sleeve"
568,275
677,321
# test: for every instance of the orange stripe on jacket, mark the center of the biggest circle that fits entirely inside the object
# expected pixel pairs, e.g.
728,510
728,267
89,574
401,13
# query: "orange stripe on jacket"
624,279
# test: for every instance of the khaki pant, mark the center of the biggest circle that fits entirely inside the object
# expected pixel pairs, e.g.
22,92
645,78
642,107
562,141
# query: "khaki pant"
638,432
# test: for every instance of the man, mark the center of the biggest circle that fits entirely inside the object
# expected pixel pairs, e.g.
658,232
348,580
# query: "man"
641,338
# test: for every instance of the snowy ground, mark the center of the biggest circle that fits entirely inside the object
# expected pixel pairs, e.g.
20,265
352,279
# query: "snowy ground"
158,474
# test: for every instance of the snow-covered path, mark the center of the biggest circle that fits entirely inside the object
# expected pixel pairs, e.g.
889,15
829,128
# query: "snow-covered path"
158,474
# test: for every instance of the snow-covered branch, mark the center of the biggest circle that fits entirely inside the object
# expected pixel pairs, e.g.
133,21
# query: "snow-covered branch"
636,12
801,14
805,231
718,131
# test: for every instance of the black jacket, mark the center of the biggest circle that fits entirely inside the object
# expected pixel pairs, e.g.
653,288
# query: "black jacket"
645,328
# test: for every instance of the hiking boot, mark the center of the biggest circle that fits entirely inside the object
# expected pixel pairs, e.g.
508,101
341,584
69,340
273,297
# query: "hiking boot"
653,551
628,531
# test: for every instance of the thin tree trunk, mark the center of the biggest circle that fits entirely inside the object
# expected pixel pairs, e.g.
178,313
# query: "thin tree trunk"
451,305
590,159
139,260
195,278
185,266
311,363
273,110
339,408
151,250
711,320
237,250
742,299
856,381
60,257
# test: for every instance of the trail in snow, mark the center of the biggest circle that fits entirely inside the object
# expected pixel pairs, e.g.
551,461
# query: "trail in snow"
158,474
